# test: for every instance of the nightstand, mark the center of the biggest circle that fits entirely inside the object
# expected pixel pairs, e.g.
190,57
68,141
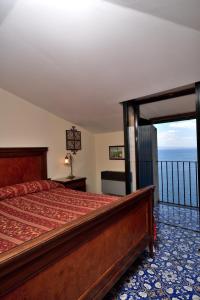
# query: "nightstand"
77,183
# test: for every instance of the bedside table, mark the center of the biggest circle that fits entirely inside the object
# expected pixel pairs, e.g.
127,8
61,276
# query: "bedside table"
77,183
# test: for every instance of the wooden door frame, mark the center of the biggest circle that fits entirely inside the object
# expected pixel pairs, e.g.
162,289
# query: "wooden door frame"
166,95
197,92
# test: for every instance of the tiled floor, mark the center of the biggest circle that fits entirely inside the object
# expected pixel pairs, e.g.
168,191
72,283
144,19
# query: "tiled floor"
178,216
174,272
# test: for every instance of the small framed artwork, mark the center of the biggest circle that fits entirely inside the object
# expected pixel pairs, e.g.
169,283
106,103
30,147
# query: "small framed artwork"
116,152
73,140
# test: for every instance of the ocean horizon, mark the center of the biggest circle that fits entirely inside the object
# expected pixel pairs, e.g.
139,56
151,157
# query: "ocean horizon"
177,154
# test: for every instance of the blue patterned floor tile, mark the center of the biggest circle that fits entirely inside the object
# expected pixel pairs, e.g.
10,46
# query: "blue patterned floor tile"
173,272
178,216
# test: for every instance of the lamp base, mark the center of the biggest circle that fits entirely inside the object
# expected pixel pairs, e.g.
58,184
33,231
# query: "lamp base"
70,177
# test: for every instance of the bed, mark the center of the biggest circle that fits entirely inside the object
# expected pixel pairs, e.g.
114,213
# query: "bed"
81,252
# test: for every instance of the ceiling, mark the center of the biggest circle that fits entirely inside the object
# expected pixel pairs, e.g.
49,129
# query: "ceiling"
178,11
171,107
79,58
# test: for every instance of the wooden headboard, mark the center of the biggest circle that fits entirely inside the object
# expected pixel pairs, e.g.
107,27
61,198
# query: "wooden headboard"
19,165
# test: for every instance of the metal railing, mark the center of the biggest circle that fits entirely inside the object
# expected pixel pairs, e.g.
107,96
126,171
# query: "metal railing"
178,182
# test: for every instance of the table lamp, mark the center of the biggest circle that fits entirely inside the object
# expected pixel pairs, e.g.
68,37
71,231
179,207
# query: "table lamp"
68,162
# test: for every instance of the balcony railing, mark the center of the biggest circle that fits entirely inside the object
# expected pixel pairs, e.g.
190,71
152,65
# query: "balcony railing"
178,182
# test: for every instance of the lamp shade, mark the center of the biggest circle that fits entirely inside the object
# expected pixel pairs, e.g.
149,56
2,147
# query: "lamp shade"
67,160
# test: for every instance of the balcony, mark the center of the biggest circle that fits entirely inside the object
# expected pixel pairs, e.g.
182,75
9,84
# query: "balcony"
178,183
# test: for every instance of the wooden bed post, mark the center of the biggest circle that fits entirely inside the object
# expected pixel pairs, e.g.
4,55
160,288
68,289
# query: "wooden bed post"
151,224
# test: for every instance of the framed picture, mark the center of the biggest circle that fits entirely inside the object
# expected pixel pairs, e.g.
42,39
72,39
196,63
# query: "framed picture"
116,152
73,140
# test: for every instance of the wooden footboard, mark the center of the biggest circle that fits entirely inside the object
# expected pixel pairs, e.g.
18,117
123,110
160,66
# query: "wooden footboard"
84,259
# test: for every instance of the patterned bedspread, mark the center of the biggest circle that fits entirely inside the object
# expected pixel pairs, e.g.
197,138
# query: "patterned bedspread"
28,210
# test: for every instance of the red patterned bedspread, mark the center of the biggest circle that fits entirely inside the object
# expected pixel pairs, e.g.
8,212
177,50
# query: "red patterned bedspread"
31,209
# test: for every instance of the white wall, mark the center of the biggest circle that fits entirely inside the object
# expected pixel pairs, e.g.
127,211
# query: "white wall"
102,143
132,156
25,125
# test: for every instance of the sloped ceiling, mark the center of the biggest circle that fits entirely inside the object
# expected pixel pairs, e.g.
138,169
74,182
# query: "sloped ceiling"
181,12
79,58
170,107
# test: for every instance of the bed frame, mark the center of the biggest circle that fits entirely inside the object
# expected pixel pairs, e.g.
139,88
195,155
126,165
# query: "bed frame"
83,259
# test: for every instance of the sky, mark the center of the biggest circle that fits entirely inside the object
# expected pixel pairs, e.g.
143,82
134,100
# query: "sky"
180,134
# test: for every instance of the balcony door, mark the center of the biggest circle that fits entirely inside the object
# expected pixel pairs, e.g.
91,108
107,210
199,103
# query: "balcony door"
140,114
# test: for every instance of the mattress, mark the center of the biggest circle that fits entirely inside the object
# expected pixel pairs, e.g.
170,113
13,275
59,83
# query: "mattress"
31,209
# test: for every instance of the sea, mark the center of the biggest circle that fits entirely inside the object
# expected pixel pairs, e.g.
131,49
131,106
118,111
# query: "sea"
178,182
187,154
